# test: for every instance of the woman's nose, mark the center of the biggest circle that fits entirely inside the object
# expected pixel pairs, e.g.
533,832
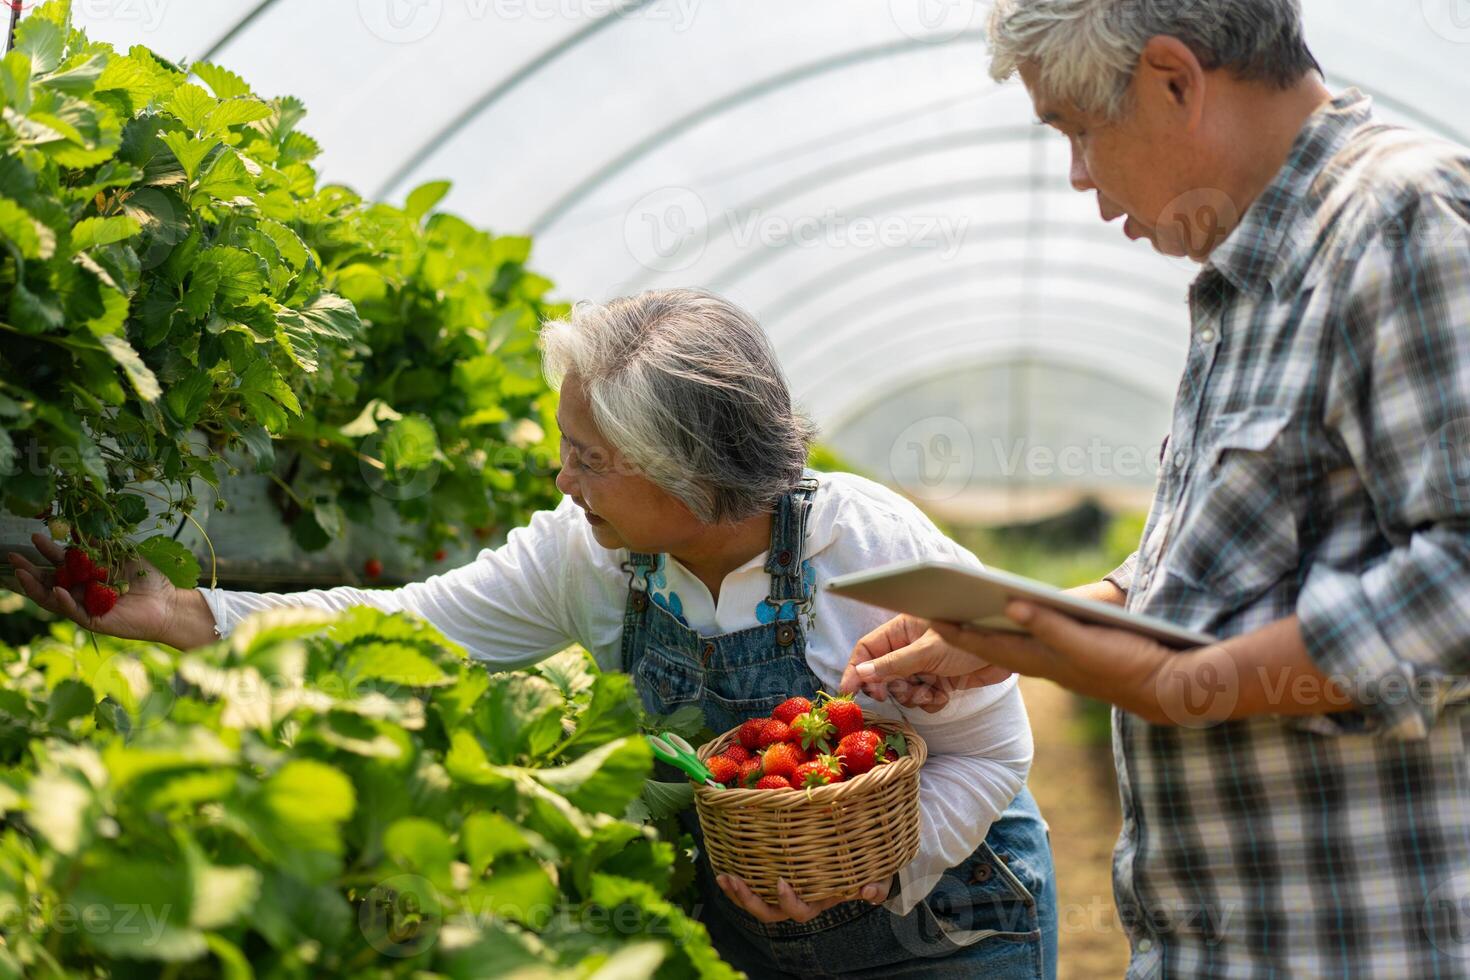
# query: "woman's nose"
565,482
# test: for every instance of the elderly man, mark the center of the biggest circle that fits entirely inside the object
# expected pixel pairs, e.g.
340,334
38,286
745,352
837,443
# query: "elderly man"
1296,796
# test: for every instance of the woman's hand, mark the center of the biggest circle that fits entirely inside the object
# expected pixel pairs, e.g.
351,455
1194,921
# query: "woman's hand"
791,906
145,612
911,660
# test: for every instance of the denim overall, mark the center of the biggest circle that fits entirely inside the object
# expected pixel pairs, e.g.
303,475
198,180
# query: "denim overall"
1004,894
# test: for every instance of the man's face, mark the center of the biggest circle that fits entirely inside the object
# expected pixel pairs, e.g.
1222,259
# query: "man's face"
1138,166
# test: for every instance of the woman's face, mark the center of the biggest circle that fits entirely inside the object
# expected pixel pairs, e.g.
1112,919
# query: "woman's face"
624,508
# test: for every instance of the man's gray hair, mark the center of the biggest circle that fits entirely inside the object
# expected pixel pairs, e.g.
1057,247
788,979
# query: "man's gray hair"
685,384
1086,51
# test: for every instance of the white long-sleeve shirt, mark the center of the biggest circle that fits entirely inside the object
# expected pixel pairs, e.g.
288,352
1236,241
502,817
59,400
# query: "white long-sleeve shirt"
551,584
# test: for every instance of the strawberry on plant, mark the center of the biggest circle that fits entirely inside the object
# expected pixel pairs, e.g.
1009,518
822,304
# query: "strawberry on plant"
440,554
773,782
810,774
773,731
844,713
724,770
782,759
860,751
749,734
813,728
788,710
60,529
99,599
372,568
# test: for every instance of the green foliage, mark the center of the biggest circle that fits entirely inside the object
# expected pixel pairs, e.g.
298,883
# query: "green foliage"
169,265
325,795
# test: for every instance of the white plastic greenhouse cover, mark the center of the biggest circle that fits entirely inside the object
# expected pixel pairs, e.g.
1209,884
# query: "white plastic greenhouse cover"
844,168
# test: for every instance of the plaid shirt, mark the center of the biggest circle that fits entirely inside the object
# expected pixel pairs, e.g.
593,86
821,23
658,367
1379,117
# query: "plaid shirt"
1318,465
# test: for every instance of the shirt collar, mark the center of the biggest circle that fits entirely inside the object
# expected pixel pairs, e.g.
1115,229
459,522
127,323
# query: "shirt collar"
1258,250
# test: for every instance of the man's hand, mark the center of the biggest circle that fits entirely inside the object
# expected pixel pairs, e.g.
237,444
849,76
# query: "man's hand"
144,612
920,668
791,906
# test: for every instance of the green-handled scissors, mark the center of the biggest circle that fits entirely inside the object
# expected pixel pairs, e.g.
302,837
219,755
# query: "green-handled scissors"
677,752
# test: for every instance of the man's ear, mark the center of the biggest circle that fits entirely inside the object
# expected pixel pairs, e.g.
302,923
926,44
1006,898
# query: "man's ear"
1171,78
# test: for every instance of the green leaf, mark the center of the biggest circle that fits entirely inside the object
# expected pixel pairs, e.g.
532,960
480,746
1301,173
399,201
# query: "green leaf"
189,151
92,232
79,79
42,41
157,893
176,562
241,274
487,837
139,374
292,248
421,199
411,444
307,801
223,895
235,112
395,663
610,714
191,104
422,846
186,398
518,714
662,800
331,316
33,239
71,699
520,890
226,178
139,74
604,780
224,83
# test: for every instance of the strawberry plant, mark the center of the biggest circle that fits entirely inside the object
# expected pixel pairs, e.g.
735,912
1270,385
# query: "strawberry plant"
326,795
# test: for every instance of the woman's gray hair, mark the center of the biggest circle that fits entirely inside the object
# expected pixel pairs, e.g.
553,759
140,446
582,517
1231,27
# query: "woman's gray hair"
685,384
1086,51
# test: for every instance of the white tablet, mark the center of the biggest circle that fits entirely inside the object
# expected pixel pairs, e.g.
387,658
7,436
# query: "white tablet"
957,594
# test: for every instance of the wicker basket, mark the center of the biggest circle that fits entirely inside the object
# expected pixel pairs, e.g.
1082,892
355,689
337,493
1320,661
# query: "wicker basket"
825,841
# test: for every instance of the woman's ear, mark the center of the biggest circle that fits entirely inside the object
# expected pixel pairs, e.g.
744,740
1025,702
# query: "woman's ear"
1171,80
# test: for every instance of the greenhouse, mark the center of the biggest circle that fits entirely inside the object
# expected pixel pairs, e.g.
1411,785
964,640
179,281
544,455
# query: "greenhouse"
685,488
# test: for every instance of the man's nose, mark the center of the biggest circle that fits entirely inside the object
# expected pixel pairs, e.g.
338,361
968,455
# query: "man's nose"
1081,179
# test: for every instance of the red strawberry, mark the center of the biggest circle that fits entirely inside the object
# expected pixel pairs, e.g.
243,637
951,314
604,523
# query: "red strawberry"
64,577
859,751
788,710
750,771
736,752
844,713
894,746
773,782
773,731
781,759
440,554
749,734
483,532
99,599
810,774
813,728
372,568
79,566
724,770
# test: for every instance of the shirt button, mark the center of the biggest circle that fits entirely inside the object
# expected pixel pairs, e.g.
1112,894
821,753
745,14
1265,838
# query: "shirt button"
1179,460
1207,335
1144,945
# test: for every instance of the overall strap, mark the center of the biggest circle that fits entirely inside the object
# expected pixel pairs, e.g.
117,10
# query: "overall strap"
639,565
788,540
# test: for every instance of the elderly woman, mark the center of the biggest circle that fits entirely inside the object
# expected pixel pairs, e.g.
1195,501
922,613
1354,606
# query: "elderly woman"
688,552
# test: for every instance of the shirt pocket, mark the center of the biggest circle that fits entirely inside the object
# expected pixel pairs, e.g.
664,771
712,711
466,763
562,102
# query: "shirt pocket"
1239,533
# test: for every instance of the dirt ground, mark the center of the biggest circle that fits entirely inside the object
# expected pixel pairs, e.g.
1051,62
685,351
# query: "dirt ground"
1074,785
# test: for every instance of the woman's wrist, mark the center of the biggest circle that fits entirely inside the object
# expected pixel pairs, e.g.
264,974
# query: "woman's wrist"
191,622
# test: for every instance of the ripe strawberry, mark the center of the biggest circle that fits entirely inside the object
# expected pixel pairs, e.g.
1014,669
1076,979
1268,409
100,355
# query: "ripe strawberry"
773,731
844,713
750,771
788,710
99,599
860,751
736,752
813,728
781,759
372,568
724,769
749,734
79,566
64,577
894,746
773,782
810,774
440,554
